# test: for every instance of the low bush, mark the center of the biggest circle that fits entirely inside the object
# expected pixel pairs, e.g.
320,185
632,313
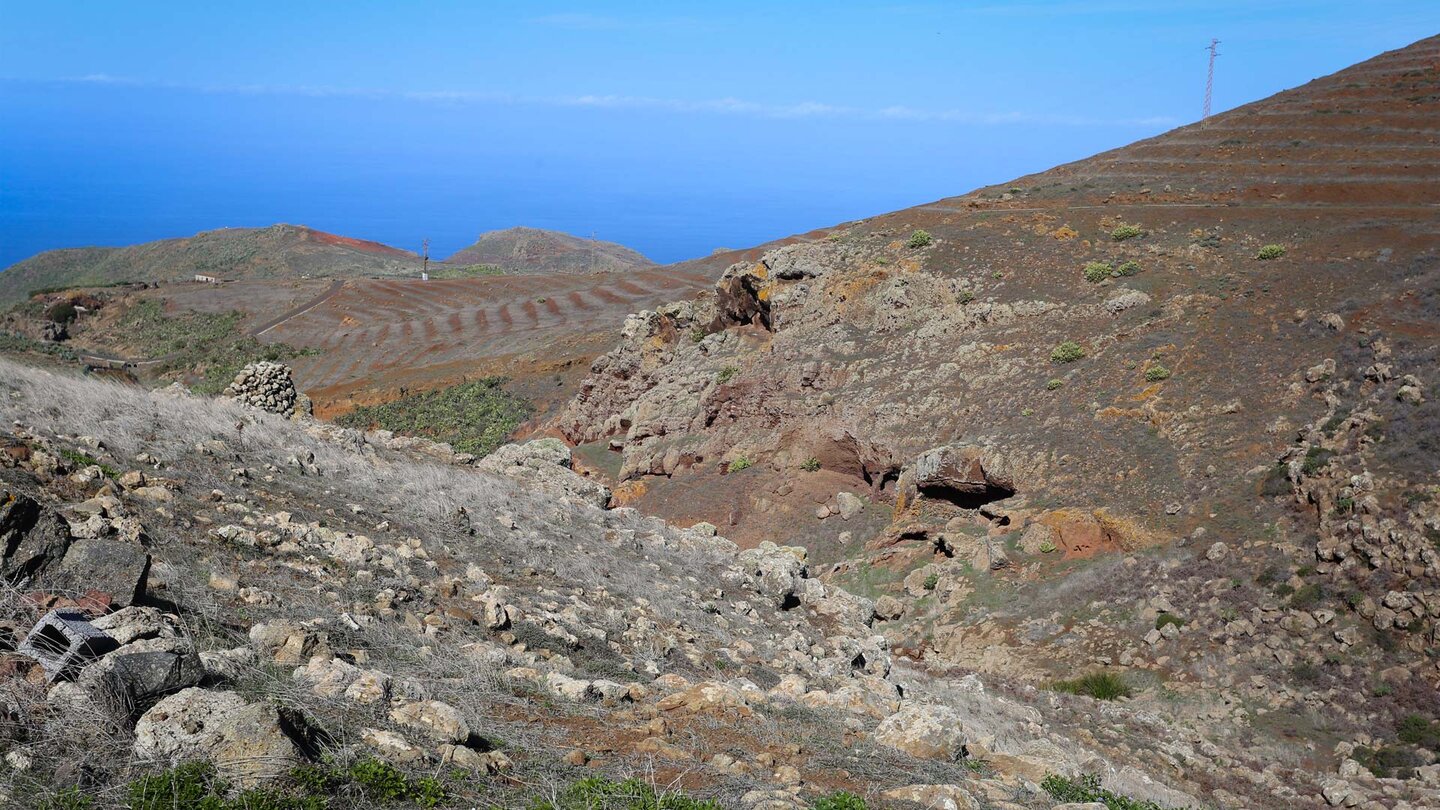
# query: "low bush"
1315,460
1067,352
1098,685
931,580
741,463
1123,232
1087,789
1130,268
1096,272
196,786
1054,384
473,417
841,800
1307,597
919,239
811,464
1157,373
726,374
1165,619
1270,252
82,460
599,793
63,312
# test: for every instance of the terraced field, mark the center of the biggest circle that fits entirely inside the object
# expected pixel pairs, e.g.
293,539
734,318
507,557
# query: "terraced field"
377,337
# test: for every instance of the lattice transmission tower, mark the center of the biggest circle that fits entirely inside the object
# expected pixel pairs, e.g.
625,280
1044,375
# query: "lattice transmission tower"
1210,77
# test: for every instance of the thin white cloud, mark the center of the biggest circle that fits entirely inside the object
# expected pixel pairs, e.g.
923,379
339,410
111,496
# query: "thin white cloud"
718,106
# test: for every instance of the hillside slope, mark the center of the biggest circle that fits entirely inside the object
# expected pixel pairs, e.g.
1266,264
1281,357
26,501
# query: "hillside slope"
1186,383
533,250
279,251
289,593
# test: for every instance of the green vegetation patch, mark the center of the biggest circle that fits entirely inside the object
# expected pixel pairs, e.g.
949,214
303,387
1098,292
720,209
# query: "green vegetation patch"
1096,272
196,786
739,464
598,793
12,343
1098,685
1123,232
1270,252
208,345
1087,789
472,417
919,239
1157,373
82,460
1067,352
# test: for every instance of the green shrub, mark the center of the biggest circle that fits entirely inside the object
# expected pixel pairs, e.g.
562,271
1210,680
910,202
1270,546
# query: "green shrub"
63,312
189,786
1098,685
811,464
738,464
1157,373
80,459
1167,619
1307,597
68,799
1087,789
473,417
1123,232
1130,268
1315,460
599,793
841,800
726,374
1345,505
1096,272
919,239
379,781
931,580
1054,384
1417,729
1270,252
1067,352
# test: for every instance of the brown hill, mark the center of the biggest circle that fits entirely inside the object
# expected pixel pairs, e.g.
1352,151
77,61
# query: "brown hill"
279,251
532,250
1107,387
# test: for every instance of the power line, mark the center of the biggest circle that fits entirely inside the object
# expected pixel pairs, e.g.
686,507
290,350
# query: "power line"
1210,78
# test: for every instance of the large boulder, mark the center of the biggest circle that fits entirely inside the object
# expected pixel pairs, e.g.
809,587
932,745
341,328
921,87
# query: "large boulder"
544,464
966,475
924,731
778,571
440,721
138,674
247,742
111,566
33,540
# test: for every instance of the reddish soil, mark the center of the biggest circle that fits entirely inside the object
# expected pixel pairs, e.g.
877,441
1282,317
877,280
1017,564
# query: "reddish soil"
379,338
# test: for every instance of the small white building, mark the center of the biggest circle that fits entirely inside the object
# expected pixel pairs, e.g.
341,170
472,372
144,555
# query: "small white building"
206,279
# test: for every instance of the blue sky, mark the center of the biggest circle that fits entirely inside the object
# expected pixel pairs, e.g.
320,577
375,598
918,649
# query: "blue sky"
675,128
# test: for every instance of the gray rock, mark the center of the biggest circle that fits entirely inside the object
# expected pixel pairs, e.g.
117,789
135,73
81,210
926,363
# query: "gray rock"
137,675
33,540
246,741
110,566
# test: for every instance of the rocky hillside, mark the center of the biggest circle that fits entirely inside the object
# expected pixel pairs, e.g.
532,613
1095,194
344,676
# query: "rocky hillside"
533,250
312,614
279,251
1164,413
